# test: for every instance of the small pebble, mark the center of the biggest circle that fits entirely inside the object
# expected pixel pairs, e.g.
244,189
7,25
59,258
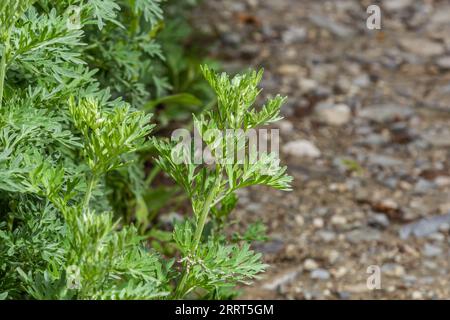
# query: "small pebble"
417,295
318,223
310,264
320,274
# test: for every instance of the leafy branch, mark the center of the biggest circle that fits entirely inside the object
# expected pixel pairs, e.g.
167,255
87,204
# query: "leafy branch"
210,186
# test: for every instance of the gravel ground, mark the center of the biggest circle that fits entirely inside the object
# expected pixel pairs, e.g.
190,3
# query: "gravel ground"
366,136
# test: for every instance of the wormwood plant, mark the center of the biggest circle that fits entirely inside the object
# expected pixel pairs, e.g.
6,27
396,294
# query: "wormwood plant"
209,261
62,137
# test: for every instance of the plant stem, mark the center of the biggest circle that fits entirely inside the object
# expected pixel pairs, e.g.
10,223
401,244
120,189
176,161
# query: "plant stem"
3,70
152,175
87,196
180,290
203,216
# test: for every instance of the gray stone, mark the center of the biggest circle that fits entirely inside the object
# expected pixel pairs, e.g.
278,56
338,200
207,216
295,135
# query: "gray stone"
344,295
301,148
310,265
333,256
326,235
312,294
231,39
445,227
307,85
383,161
386,112
441,16
249,51
285,126
409,279
393,269
334,27
438,140
426,280
417,295
362,81
390,182
281,280
373,139
396,5
323,92
362,235
273,246
254,207
289,69
320,274
443,63
424,227
294,35
379,220
436,236
430,250
430,264
422,47
333,114
423,186
268,31
238,7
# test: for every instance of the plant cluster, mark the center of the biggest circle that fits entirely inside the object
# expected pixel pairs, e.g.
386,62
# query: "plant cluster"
75,77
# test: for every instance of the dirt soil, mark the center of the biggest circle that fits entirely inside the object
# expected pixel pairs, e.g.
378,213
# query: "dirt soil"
366,136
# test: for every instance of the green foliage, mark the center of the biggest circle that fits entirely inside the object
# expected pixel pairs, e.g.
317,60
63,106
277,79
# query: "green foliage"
209,262
60,135
73,76
108,136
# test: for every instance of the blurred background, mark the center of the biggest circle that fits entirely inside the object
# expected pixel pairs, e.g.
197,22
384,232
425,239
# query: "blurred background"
366,136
